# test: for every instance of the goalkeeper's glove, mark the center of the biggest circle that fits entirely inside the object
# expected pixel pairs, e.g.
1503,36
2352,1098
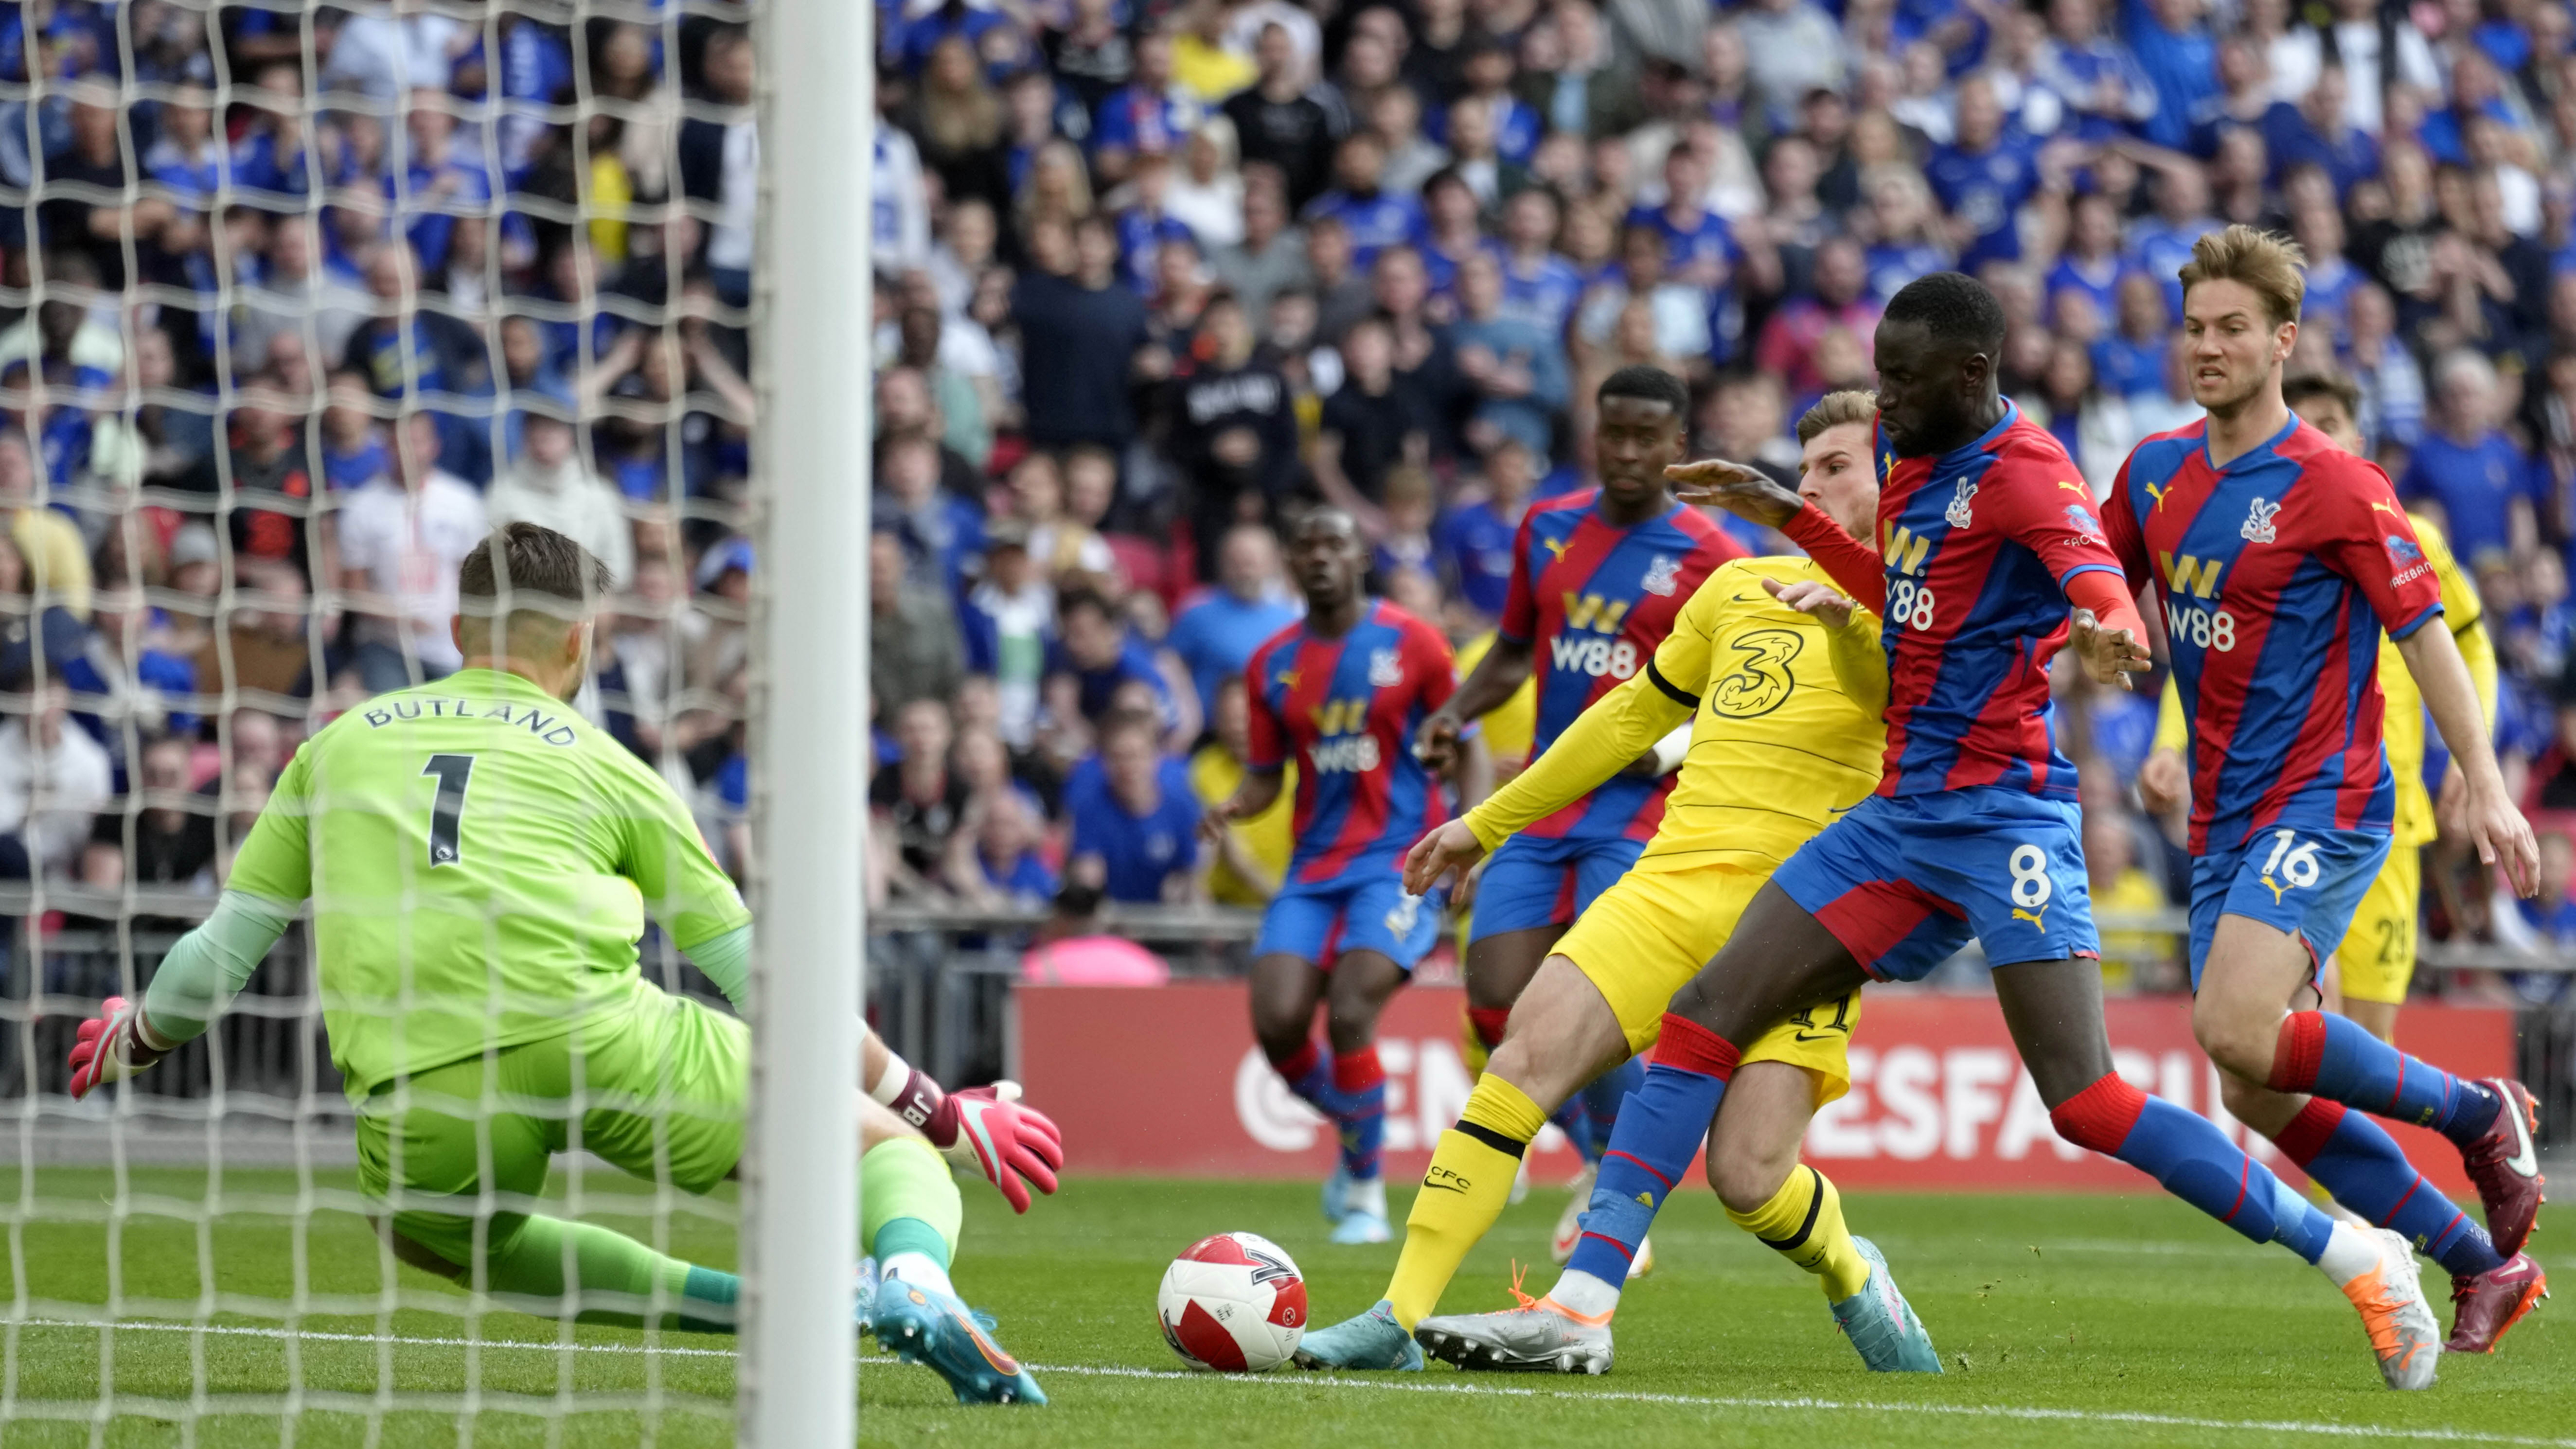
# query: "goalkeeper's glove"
115,1045
985,1129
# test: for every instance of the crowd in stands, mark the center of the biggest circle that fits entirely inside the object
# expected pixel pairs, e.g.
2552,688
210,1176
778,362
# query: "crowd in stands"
1150,276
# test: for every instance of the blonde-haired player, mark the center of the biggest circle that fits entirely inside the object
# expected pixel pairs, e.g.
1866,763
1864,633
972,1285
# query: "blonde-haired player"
2376,961
1782,680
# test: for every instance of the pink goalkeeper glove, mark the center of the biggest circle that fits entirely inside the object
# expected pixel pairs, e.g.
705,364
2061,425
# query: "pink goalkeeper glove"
986,1129
114,1046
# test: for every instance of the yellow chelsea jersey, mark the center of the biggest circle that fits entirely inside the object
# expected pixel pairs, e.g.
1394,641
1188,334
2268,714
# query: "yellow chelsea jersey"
1779,745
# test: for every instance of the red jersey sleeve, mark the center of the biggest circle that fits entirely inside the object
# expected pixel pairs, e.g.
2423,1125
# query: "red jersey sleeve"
2369,539
1854,566
1520,598
1433,662
2051,515
2128,541
1268,734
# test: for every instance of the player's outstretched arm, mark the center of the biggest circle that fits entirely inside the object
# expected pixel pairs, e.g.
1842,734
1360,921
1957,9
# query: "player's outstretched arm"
984,1129
1258,792
2105,630
2503,837
1750,493
197,980
1487,687
1616,729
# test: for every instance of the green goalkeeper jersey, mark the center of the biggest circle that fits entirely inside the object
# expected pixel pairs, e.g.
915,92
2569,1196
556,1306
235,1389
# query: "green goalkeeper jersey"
480,861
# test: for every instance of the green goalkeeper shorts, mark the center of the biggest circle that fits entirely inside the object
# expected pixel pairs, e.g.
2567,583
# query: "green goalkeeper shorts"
661,1090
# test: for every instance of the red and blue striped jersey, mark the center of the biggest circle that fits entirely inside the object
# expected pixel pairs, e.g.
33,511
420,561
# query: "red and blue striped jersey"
2277,573
1978,544
1348,707
1594,600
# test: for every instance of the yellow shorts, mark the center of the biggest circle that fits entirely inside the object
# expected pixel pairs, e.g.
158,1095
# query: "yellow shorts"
1652,931
2377,957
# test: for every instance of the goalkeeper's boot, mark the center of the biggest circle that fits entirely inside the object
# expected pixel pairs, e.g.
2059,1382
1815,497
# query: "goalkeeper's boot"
2404,1337
924,1325
1541,1335
1881,1324
1374,1340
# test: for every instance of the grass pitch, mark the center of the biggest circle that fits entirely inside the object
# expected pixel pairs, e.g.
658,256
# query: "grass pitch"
2064,1322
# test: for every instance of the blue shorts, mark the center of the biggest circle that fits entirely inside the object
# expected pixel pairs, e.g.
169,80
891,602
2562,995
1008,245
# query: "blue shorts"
1532,883
1904,881
1363,909
2305,882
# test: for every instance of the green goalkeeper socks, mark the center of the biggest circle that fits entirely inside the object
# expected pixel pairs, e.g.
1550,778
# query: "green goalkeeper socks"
904,1186
909,1210
613,1275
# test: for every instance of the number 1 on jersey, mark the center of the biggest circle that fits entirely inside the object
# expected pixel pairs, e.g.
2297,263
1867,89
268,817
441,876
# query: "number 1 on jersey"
453,771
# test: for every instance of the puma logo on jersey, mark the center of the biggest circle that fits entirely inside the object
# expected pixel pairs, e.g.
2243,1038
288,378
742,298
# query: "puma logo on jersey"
1555,547
1957,513
2377,506
1663,576
2076,488
2258,522
2156,492
2034,917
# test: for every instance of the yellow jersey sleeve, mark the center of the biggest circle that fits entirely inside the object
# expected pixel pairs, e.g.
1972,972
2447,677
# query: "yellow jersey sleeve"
1780,745
1508,727
2173,732
1613,731
2402,732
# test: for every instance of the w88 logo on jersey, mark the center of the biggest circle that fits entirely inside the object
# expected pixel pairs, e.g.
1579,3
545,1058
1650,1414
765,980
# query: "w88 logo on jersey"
2204,628
1595,657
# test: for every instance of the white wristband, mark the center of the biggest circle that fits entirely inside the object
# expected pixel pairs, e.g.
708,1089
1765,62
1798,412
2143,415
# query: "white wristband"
1671,750
890,1083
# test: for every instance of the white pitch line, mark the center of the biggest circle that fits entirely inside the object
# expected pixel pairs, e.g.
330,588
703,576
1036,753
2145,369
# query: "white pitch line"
1336,1381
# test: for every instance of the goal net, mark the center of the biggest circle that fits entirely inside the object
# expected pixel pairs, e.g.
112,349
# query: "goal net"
297,302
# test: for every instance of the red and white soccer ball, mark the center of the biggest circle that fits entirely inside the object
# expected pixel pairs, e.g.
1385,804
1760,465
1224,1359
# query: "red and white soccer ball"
1234,1303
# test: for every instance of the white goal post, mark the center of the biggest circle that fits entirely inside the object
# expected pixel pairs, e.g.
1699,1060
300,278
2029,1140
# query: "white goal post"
796,1377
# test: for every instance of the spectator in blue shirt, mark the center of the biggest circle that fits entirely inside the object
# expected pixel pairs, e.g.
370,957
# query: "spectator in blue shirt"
435,187
2107,94
1699,248
2174,51
2129,360
942,534
1135,822
1539,286
1142,115
2091,263
1517,370
1217,630
1008,868
1371,217
1982,178
1094,656
1473,545
2484,486
2322,135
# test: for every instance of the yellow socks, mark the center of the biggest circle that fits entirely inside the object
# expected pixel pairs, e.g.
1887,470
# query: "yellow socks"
1465,1190
1803,1222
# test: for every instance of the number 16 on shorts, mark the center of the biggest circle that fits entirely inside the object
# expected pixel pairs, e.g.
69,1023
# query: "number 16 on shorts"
2305,883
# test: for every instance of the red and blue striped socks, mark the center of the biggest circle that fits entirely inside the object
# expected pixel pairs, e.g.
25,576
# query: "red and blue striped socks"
2324,1055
